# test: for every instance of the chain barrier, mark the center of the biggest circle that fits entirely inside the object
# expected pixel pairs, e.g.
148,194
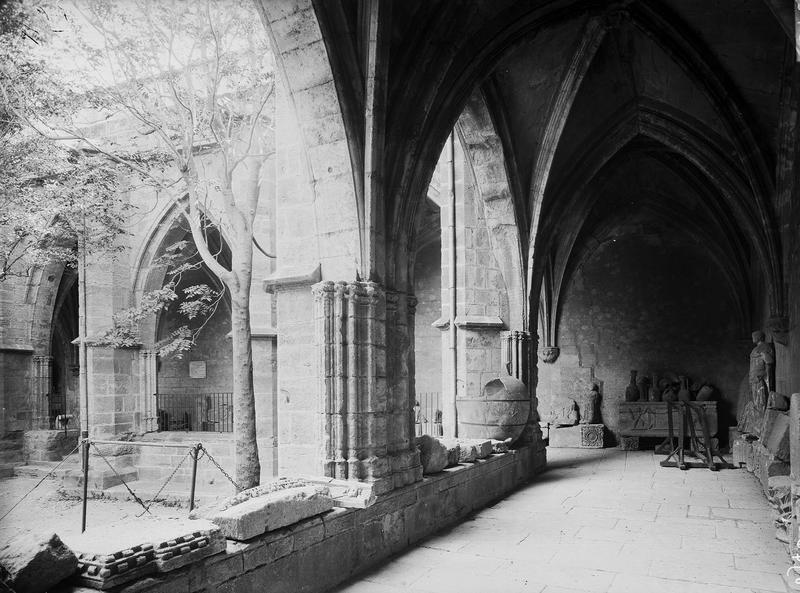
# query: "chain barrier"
219,467
47,475
164,485
124,483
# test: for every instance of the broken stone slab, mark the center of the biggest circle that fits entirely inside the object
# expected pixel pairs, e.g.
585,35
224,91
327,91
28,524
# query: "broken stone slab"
453,453
501,446
35,562
245,517
432,454
470,450
111,555
776,434
349,494
467,453
114,554
178,542
483,447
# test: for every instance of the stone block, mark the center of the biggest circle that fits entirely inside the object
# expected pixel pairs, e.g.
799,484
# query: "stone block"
776,433
433,454
470,450
741,451
628,443
584,436
35,562
483,447
765,465
253,515
453,453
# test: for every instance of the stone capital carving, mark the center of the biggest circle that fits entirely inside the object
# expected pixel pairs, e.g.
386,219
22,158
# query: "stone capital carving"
549,354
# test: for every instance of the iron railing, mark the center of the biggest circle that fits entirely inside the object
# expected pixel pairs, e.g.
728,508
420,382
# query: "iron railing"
56,406
428,413
203,412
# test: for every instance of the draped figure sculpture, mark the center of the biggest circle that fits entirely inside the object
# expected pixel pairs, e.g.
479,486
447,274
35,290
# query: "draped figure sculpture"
761,380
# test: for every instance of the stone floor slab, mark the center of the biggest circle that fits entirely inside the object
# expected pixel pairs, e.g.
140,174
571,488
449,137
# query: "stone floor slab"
603,521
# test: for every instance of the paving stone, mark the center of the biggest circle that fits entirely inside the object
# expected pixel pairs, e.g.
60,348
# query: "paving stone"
609,521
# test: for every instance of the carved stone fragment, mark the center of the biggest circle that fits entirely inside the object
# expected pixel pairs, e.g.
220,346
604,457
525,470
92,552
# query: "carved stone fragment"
252,516
433,454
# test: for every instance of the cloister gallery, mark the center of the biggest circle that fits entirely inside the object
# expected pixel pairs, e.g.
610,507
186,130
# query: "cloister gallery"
463,202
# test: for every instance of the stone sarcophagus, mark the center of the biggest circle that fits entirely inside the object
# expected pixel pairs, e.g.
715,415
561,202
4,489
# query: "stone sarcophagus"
649,419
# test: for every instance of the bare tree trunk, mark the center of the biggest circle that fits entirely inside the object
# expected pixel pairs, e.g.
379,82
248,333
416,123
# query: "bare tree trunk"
248,467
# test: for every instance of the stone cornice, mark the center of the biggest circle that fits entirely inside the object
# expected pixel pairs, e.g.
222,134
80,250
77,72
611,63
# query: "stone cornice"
477,322
283,279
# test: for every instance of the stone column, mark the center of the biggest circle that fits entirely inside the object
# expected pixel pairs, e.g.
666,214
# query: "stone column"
42,384
366,427
145,418
516,354
399,347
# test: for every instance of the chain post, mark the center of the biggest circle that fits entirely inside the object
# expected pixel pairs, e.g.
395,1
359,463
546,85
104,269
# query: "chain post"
195,452
85,463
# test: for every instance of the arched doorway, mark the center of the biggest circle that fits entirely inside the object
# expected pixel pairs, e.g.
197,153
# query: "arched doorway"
194,368
62,392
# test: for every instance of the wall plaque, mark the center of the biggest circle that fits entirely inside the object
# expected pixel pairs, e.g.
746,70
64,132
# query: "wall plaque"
197,369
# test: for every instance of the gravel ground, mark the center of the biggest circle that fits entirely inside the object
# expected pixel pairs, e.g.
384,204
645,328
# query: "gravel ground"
48,508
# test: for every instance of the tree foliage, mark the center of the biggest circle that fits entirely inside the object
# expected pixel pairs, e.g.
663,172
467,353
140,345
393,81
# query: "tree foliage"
176,94
53,196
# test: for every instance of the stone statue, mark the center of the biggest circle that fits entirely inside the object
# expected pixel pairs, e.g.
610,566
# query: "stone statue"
762,381
589,405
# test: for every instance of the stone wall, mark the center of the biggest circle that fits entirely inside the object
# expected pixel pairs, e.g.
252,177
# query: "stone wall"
15,378
321,552
652,307
428,339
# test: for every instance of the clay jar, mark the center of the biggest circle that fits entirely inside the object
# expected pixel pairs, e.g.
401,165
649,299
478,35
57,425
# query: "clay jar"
706,393
632,391
684,394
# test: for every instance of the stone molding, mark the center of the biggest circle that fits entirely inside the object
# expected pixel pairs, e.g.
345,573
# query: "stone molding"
478,322
291,278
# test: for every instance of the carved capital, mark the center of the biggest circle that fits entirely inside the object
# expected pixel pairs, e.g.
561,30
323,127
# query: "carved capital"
322,289
549,354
